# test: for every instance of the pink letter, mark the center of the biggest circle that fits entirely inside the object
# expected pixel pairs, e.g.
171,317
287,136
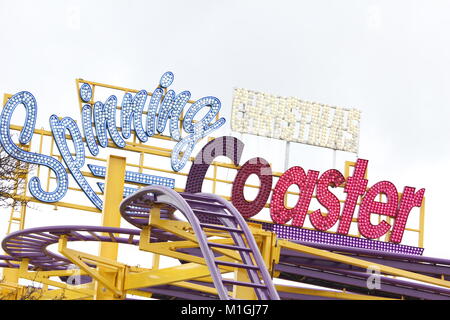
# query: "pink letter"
356,186
369,206
328,200
409,200
306,184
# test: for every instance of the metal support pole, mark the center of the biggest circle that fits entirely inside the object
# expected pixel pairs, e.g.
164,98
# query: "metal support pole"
334,158
11,275
240,292
286,156
114,185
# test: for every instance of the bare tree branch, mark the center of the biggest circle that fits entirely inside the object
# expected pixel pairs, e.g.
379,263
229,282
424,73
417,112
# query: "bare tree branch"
12,180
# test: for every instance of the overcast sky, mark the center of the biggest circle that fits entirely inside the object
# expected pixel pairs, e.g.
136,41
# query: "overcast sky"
390,59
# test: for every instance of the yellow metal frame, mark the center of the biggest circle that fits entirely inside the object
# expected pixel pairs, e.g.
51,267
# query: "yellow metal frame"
114,280
143,149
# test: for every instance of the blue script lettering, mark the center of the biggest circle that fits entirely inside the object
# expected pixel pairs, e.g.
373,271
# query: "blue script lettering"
102,117
74,164
62,180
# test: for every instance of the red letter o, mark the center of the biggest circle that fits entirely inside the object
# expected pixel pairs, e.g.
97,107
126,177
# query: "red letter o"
262,169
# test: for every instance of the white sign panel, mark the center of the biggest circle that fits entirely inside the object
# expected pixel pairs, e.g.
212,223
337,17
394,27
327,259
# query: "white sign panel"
291,119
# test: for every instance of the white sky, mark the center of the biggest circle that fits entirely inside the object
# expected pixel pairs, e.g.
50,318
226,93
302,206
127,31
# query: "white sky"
390,59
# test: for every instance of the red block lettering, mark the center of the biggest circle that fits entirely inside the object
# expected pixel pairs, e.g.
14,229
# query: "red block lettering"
356,186
262,169
306,183
409,200
369,206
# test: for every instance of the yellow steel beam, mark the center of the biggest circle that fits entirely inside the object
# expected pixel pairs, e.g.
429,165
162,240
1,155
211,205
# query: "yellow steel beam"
109,86
195,286
97,260
243,292
60,204
99,277
176,227
36,277
105,264
61,273
140,293
114,185
422,223
11,275
362,263
184,272
63,294
10,291
267,246
168,249
327,293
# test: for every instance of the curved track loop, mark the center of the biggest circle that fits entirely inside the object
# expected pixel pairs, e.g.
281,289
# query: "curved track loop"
207,211
6,262
32,243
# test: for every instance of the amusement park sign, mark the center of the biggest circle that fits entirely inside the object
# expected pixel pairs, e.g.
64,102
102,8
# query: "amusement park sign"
355,186
103,115
295,120
166,106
